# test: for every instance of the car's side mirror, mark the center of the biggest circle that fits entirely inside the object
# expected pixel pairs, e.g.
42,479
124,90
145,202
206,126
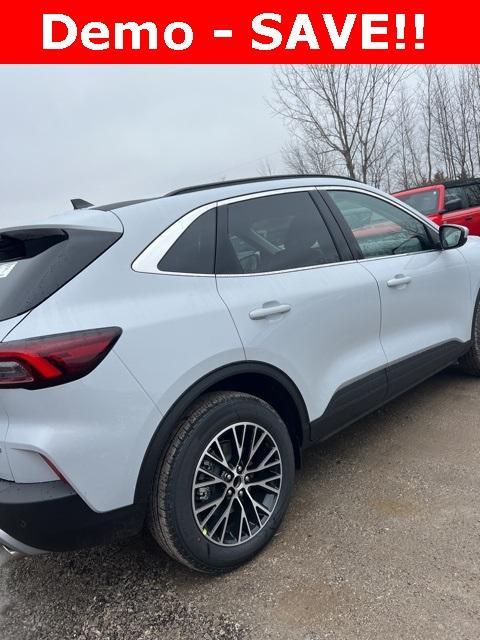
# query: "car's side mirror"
453,236
453,204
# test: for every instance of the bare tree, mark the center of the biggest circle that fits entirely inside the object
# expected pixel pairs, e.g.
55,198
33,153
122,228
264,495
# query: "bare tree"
338,114
454,130
392,126
407,163
474,71
426,83
309,155
265,168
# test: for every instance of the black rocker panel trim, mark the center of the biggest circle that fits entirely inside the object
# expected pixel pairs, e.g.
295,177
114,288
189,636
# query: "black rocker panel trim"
361,397
350,403
405,374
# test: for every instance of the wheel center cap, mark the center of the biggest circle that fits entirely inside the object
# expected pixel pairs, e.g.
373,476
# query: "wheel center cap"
237,482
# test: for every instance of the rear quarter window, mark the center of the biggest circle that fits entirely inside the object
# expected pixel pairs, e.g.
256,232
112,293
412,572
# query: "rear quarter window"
194,251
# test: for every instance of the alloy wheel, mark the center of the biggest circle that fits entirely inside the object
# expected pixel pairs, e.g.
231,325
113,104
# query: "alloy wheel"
236,484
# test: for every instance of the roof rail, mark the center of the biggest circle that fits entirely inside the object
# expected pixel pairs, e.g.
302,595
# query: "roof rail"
228,183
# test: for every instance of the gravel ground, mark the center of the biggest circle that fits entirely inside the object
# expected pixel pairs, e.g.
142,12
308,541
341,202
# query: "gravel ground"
382,540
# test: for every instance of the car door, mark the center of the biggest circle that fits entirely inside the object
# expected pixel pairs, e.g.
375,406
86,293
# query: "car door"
299,302
424,290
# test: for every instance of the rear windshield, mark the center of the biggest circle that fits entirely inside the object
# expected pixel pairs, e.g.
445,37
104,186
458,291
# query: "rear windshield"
35,263
424,201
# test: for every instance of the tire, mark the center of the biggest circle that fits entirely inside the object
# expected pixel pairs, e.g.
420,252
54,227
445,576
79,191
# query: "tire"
470,362
178,511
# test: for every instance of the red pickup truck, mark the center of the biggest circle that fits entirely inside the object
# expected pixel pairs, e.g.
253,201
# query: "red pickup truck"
456,202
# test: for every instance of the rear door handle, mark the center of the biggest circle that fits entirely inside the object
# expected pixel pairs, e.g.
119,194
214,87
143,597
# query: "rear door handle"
266,311
399,281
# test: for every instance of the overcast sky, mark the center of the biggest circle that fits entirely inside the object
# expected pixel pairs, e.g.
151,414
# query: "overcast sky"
107,133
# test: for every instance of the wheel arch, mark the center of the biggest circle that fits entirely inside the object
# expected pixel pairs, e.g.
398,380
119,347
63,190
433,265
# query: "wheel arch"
259,379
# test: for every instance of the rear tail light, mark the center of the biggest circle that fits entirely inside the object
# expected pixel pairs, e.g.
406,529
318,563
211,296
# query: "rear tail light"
50,360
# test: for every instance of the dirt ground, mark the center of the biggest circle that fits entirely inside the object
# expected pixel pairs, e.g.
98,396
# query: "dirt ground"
382,540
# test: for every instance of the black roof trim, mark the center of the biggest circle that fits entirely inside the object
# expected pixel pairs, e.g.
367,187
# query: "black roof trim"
216,185
238,181
124,203
461,182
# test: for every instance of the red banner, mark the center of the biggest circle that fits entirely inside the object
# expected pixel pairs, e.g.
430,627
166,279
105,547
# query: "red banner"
255,31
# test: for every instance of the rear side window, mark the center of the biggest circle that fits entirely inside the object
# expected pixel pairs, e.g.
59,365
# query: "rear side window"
474,194
274,233
469,194
457,192
194,251
35,263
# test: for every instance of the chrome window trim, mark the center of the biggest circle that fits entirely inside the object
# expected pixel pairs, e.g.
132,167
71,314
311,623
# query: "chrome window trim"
149,258
399,255
272,273
263,194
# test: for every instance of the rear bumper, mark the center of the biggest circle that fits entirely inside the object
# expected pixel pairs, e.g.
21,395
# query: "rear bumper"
14,547
50,516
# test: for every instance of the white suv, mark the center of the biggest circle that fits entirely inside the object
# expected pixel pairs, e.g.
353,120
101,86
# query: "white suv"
164,362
